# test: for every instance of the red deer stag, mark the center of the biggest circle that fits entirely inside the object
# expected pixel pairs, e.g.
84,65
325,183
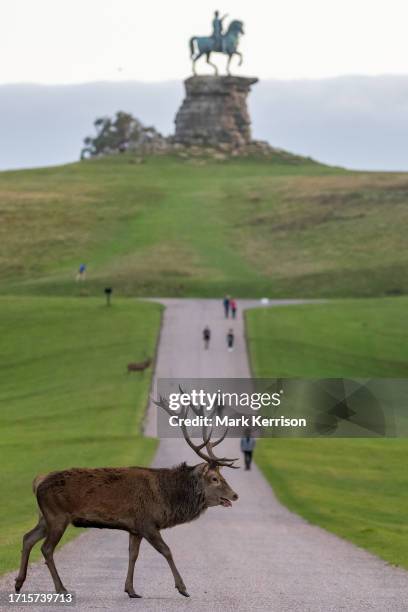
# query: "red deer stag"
141,501
141,366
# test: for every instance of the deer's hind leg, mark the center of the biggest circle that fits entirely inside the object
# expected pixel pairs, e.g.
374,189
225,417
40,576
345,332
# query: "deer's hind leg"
55,531
134,545
30,539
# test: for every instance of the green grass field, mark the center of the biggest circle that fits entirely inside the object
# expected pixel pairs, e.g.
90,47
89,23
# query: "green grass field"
199,227
286,227
65,396
357,488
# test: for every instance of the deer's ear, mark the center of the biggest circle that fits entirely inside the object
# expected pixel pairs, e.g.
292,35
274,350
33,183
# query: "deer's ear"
201,469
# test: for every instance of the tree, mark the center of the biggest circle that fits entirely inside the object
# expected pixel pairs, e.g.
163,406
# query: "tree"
117,135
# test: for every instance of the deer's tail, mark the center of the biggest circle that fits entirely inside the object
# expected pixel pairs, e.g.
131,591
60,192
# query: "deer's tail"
37,481
192,45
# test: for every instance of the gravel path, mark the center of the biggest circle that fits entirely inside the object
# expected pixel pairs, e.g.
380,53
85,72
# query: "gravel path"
254,556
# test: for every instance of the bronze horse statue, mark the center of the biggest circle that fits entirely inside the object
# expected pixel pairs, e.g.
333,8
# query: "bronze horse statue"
205,45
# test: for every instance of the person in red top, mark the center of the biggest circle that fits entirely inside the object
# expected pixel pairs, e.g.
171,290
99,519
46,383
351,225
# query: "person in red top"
233,306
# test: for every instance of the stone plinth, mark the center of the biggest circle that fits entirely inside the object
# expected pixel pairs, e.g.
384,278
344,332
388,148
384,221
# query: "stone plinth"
215,111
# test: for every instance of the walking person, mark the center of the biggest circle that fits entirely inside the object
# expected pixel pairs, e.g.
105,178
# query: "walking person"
247,447
233,306
226,304
81,272
206,336
230,340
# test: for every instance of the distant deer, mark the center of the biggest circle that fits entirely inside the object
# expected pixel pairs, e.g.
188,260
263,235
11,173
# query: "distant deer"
141,501
139,367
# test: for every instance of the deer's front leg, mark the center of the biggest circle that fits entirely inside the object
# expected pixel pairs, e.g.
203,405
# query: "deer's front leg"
134,545
154,538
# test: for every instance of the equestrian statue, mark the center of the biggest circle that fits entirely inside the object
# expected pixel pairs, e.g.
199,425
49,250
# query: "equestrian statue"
218,42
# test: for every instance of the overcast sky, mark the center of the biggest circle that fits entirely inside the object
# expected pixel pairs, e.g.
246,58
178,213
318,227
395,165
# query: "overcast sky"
73,41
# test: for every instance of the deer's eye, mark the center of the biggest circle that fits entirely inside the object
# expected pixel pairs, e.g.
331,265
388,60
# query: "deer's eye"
214,479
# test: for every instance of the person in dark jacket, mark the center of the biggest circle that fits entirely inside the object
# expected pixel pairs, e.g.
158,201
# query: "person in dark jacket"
226,304
247,447
230,340
206,336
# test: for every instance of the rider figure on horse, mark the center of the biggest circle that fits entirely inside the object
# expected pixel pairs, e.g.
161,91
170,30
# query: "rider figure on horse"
218,31
219,41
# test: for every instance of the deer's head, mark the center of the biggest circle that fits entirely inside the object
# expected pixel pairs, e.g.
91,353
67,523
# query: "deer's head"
216,489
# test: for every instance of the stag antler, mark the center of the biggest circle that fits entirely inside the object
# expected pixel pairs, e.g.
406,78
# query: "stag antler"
197,448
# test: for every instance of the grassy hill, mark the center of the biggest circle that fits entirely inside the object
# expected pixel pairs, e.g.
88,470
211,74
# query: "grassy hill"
172,226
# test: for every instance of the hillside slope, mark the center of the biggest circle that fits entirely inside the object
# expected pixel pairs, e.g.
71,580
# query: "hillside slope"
173,226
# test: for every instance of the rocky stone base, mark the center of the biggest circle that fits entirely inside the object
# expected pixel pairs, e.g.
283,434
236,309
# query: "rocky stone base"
222,152
214,112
